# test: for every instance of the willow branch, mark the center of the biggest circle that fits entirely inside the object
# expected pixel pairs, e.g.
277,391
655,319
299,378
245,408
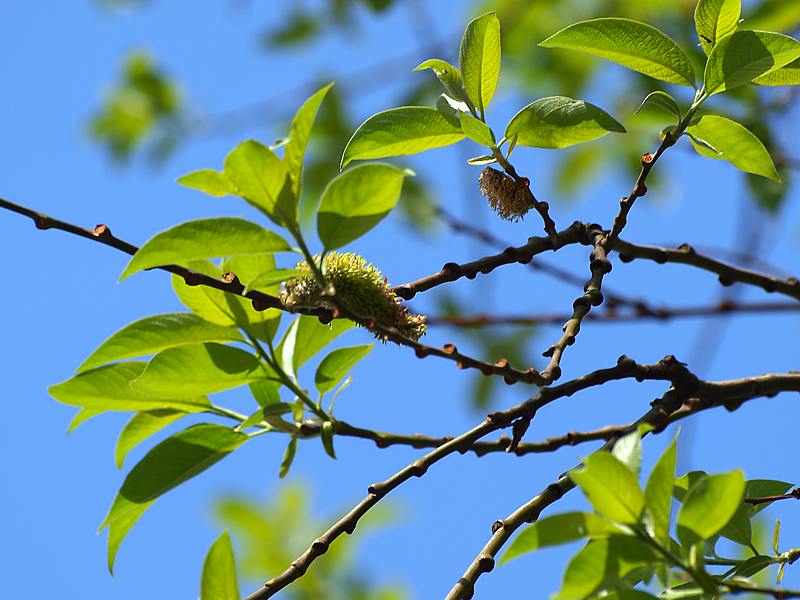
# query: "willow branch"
719,309
793,495
728,274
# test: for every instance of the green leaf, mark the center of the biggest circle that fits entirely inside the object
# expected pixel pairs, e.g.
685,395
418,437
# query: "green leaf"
449,75
686,481
262,179
479,161
337,364
709,505
585,571
558,122
479,58
218,581
265,392
664,101
753,565
715,19
776,533
141,426
745,55
109,388
738,529
356,201
632,44
611,487
206,238
476,130
199,369
209,181
786,75
170,463
326,435
81,417
758,488
658,491
399,132
309,337
156,333
271,278
288,458
628,450
299,134
735,143
557,530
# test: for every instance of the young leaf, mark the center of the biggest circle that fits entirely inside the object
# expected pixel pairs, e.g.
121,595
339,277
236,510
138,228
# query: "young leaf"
299,134
628,450
476,130
337,364
269,279
450,77
205,238
558,122
479,161
141,426
399,132
715,19
745,55
218,581
776,535
356,201
753,565
585,571
170,463
156,333
611,487
109,388
262,179
479,58
786,75
658,491
735,143
557,530
288,458
209,181
709,505
632,44
664,101
326,434
198,369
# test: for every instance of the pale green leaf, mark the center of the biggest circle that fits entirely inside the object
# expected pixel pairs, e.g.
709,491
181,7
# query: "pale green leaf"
709,505
611,487
745,55
738,529
337,364
262,179
450,77
632,44
218,581
658,491
311,336
108,388
326,435
288,458
476,130
299,134
479,58
140,427
81,417
269,279
479,161
628,450
734,143
356,201
557,530
170,463
199,369
558,122
205,238
753,565
664,101
399,132
156,333
715,19
209,181
786,75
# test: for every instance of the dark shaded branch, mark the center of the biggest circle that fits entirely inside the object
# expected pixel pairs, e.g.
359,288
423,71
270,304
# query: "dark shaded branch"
728,274
793,495
574,234
720,309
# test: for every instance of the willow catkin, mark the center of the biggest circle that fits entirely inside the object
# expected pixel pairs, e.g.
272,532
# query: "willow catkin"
506,197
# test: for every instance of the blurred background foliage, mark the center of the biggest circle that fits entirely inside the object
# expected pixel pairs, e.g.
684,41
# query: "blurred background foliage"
147,114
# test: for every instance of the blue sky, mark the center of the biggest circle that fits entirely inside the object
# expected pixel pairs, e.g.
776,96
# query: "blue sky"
61,299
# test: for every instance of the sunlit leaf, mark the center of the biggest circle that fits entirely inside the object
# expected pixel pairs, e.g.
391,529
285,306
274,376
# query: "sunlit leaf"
141,426
476,130
658,491
479,59
709,505
714,19
209,181
337,364
300,131
611,487
218,581
632,44
786,75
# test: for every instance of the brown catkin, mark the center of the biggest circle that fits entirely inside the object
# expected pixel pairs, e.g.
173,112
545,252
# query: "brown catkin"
506,197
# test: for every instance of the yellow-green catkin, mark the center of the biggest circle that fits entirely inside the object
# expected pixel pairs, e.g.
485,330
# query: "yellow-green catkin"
360,287
506,197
